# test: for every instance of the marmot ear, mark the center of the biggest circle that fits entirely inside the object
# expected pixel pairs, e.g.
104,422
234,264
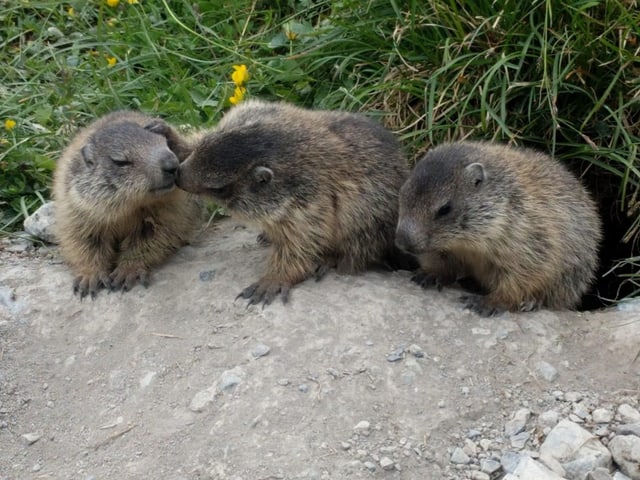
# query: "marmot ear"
87,155
262,174
476,173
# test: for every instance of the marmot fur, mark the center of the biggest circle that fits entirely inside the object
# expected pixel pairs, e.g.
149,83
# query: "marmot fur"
118,213
514,219
322,185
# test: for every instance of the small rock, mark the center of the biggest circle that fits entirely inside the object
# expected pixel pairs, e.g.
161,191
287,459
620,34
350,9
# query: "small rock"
370,466
476,475
303,387
396,355
580,411
599,474
41,223
547,371
548,419
459,457
572,397
230,378
473,433
345,445
31,438
628,414
490,466
207,275
620,476
510,461
628,429
470,448
260,350
416,351
565,440
387,464
201,399
579,468
601,415
519,440
361,426
529,469
441,404
626,453
36,468
517,422
283,382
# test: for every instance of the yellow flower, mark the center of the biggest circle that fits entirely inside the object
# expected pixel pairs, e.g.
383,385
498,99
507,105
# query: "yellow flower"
113,3
71,12
240,74
132,2
112,21
111,61
238,95
9,124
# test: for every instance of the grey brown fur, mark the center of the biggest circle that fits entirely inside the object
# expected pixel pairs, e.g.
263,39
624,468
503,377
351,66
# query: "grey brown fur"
118,213
323,186
514,219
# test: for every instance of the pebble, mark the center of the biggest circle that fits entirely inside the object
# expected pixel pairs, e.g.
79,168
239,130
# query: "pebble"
31,438
303,387
230,378
207,275
629,429
572,397
459,457
601,415
416,351
547,371
361,426
41,223
626,453
387,464
517,422
489,465
548,419
530,469
396,355
628,414
370,466
201,399
260,350
510,461
476,475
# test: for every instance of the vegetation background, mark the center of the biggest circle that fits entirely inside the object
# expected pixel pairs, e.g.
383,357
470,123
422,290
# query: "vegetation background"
562,76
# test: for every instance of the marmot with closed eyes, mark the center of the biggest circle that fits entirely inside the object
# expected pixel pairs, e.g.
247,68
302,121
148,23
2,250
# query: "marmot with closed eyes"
117,210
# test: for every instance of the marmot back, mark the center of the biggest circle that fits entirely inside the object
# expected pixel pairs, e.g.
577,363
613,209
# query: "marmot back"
514,219
322,185
117,210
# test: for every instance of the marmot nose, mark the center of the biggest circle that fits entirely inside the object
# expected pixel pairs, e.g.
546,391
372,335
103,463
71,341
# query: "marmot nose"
403,241
169,163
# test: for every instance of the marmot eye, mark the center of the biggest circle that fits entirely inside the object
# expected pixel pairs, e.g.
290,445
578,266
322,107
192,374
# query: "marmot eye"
120,161
444,210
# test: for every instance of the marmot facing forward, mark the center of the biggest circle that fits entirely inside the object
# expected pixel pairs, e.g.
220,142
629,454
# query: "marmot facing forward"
514,219
322,185
117,210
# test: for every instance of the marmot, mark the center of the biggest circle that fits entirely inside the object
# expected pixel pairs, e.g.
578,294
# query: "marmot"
117,210
513,219
322,185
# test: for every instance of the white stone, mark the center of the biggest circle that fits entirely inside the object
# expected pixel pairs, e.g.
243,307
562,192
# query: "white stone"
459,457
517,423
387,464
566,439
626,453
546,371
529,469
230,378
628,414
602,415
548,419
363,425
203,398
41,223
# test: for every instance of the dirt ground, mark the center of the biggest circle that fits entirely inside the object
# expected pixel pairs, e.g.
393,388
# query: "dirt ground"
182,381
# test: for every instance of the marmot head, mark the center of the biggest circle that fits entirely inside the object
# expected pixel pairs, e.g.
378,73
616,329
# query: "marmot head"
235,167
124,160
449,201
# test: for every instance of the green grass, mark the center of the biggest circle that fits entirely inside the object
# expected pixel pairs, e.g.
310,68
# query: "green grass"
560,76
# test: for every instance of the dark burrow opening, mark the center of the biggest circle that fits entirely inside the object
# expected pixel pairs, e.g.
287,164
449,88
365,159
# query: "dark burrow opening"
611,283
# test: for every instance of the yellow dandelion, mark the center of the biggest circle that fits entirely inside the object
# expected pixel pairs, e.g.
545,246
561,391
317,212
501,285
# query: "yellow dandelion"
71,12
238,95
240,74
113,3
9,124
111,61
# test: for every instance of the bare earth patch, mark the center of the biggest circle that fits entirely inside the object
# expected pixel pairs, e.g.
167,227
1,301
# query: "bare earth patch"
363,376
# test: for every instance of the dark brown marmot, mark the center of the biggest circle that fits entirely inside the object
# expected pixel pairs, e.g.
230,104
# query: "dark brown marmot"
323,186
117,211
513,219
